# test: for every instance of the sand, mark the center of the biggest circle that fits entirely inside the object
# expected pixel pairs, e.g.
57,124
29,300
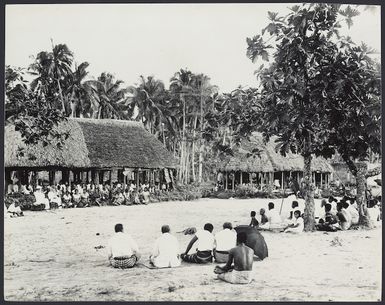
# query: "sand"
51,256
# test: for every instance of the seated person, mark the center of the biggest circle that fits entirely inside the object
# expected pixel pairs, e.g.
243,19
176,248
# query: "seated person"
374,213
344,217
275,221
25,190
353,212
54,198
145,198
95,197
224,241
329,222
122,250
67,200
127,197
264,225
294,207
41,202
243,257
297,226
14,210
333,202
254,222
136,199
85,198
166,250
204,248
105,195
118,198
76,199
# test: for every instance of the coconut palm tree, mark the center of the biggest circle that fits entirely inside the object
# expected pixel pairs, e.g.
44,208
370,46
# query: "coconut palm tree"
52,69
145,101
79,92
107,97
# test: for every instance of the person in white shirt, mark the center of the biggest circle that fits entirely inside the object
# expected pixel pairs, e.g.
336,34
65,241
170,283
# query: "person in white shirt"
166,250
274,218
224,240
123,251
353,212
294,207
333,202
205,245
374,213
41,202
298,225
54,198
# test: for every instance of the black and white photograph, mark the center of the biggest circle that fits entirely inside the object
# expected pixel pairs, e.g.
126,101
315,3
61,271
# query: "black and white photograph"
192,152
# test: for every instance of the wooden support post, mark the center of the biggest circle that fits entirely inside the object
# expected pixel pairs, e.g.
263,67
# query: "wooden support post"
137,179
226,180
233,182
321,181
282,187
240,179
111,178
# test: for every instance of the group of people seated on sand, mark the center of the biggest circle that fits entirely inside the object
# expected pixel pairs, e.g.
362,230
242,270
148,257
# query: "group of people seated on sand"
80,195
343,214
272,221
226,246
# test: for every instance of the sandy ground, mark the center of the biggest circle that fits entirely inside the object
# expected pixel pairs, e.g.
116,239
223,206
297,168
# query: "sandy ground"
51,256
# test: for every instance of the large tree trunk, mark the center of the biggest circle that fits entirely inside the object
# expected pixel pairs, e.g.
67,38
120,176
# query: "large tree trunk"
308,189
362,169
360,172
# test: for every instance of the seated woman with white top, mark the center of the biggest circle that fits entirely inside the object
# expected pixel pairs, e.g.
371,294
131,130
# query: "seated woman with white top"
298,225
41,202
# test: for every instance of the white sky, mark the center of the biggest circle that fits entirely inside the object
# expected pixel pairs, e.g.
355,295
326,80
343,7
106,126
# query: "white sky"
129,40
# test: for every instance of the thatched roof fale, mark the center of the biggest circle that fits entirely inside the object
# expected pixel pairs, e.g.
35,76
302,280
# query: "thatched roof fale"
92,144
267,159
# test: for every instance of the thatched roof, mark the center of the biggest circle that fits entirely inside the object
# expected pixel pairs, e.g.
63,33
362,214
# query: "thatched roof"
267,159
92,144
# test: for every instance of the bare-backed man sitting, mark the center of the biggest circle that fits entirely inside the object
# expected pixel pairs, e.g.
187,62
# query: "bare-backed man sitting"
242,256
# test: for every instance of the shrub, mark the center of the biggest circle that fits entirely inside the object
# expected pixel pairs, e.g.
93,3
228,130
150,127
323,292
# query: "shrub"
25,201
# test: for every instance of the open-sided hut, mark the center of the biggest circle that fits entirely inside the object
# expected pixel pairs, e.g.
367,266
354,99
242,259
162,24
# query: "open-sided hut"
260,164
96,150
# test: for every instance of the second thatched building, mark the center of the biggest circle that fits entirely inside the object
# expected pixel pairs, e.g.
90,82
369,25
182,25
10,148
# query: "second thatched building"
258,163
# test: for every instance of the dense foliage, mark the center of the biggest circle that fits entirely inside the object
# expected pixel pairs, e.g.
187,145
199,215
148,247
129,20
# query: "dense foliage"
321,92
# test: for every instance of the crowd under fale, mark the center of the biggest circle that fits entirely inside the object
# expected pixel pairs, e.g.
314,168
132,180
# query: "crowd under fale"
81,195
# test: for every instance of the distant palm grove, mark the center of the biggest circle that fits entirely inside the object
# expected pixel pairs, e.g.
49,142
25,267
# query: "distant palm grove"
184,117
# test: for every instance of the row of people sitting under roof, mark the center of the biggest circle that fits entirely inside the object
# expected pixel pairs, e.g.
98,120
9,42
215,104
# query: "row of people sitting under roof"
226,246
84,195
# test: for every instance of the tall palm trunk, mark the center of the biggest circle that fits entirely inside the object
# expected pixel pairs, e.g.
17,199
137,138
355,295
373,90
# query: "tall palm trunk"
200,160
193,149
61,96
308,189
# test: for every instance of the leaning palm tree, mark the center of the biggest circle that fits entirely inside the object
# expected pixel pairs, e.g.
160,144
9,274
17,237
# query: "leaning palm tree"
79,92
52,70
